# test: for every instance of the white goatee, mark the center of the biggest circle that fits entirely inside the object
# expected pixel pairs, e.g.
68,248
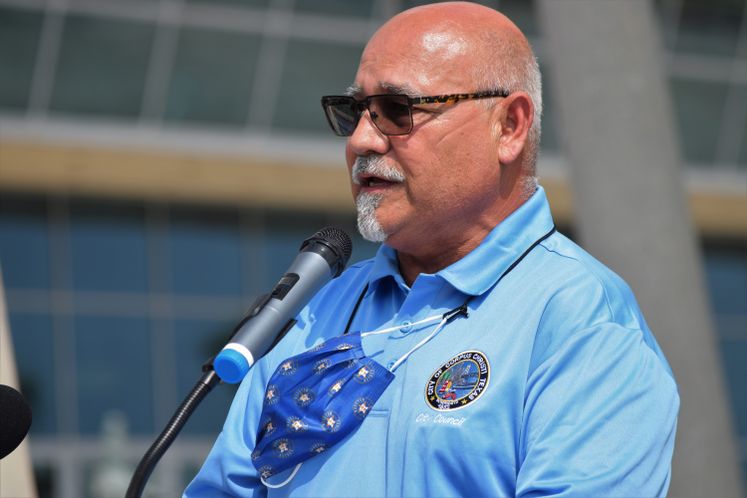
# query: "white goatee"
368,226
366,204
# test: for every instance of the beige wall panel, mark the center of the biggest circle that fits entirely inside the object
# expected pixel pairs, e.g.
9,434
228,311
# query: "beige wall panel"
193,178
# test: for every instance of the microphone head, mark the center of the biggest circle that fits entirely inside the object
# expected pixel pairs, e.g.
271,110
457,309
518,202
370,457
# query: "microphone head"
15,419
338,246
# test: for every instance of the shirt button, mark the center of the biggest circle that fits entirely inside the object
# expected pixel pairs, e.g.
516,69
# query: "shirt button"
406,326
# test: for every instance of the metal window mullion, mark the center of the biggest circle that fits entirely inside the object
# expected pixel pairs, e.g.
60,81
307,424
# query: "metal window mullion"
160,315
47,55
69,484
161,64
269,69
733,123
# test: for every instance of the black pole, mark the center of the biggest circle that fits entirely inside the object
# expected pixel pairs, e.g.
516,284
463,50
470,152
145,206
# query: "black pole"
208,381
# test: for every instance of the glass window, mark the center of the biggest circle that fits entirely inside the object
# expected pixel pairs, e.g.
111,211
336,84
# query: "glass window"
313,69
113,370
742,158
212,77
726,273
108,247
239,3
550,141
520,12
734,354
495,4
19,40
726,276
709,27
196,341
24,243
359,8
101,67
699,107
206,252
32,343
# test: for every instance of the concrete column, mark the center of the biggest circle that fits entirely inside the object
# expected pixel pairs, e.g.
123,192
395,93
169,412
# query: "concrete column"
16,472
616,124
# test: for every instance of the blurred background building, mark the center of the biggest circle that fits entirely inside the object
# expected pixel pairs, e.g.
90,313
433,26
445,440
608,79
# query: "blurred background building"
162,160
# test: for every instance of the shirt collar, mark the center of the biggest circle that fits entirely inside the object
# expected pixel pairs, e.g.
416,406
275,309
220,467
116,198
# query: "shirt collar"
479,270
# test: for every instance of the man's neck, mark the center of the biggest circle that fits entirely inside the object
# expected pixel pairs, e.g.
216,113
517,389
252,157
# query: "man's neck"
442,251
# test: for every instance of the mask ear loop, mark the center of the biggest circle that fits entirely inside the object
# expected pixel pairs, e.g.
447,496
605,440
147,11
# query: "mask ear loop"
284,483
447,317
394,329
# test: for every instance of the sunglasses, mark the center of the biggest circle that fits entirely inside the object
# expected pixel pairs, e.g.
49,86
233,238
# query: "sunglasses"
390,113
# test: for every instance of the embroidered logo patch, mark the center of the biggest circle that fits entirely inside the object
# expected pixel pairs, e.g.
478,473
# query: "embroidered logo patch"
458,382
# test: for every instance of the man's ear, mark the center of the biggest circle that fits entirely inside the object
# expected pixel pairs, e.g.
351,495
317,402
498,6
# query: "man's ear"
514,119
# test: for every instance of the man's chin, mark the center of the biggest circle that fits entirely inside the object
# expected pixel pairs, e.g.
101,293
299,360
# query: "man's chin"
368,226
372,232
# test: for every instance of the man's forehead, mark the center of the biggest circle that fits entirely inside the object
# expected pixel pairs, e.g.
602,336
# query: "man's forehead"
413,64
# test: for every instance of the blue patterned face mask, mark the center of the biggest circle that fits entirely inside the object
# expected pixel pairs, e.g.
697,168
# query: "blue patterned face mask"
315,399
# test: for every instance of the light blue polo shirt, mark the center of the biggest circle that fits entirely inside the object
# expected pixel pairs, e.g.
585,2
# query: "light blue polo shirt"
552,386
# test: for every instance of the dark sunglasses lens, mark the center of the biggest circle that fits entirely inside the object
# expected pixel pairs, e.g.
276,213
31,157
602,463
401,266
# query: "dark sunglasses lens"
342,115
391,113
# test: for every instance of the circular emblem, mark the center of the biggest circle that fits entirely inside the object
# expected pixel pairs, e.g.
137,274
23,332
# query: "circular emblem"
331,421
288,367
361,407
458,382
303,397
271,395
283,448
266,471
295,424
336,387
318,447
321,365
365,373
267,427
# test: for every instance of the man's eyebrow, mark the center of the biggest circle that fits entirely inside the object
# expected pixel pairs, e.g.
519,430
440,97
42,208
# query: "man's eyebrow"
404,89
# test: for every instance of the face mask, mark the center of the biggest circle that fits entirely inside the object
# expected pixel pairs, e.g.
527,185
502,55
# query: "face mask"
315,399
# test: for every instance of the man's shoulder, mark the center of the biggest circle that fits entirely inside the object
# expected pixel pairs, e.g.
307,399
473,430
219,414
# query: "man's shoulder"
584,299
579,277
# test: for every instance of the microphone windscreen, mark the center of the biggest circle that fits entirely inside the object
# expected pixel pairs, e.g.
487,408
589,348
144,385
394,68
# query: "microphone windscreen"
15,419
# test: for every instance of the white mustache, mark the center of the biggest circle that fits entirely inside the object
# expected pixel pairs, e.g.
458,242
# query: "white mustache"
375,166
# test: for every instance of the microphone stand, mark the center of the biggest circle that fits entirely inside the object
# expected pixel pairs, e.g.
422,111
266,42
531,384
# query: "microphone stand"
206,384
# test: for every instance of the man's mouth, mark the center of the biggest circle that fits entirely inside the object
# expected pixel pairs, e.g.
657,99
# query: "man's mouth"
375,181
370,183
370,173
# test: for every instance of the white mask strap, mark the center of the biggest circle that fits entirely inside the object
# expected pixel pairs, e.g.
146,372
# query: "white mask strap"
431,319
420,344
290,478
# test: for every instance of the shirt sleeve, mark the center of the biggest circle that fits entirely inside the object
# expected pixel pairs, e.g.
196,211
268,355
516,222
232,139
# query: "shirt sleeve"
228,469
599,418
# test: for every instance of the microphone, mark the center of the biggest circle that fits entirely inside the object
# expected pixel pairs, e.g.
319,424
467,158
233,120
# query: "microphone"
15,419
322,257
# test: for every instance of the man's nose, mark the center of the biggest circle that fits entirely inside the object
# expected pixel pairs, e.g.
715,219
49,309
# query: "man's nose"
367,138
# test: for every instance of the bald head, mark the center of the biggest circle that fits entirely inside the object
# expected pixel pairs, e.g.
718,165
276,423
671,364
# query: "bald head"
465,41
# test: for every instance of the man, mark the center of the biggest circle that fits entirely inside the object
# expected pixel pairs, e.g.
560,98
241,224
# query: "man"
551,384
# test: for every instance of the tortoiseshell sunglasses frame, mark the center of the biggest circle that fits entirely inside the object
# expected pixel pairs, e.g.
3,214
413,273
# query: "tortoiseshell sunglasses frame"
360,105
